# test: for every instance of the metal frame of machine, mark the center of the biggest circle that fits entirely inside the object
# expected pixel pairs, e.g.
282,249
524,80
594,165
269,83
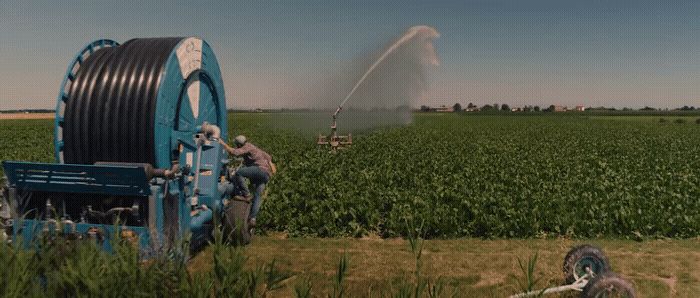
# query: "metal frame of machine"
176,197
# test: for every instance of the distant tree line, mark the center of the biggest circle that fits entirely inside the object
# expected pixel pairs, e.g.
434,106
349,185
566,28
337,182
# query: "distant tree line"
457,107
27,111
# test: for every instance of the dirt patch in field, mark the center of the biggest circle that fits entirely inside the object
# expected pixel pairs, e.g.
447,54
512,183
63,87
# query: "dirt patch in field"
8,116
474,267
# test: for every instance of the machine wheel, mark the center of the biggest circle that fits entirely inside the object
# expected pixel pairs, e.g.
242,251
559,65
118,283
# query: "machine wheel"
581,257
236,221
608,284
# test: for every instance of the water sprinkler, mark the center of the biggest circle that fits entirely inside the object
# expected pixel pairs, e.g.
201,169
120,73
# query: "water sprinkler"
333,139
336,141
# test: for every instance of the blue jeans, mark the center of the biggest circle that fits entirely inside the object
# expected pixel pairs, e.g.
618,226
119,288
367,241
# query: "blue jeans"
258,178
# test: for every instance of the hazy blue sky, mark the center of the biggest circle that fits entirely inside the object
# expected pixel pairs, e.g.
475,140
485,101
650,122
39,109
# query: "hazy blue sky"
613,53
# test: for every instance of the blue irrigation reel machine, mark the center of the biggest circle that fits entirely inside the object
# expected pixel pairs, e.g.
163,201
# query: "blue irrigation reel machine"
137,153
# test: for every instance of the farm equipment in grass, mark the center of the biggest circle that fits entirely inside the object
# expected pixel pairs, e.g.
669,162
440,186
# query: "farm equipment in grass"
333,139
137,146
586,269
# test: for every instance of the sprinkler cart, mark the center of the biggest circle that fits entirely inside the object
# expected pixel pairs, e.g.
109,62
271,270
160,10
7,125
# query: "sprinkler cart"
334,140
586,269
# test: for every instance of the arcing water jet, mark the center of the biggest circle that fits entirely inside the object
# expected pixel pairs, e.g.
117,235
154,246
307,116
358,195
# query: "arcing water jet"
423,36
428,34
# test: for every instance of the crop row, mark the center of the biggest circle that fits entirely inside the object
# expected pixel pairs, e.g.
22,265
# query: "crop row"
483,176
492,176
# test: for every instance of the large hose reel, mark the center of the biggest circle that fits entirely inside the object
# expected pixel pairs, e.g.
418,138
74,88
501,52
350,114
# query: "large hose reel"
124,103
136,139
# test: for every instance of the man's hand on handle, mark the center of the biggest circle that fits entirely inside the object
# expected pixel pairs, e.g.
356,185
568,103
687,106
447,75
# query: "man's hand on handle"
226,146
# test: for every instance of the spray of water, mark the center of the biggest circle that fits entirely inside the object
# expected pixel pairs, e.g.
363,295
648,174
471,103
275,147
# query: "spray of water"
377,89
426,32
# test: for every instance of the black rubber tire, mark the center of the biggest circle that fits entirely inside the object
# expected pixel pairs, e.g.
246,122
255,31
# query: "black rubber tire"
236,221
588,253
606,284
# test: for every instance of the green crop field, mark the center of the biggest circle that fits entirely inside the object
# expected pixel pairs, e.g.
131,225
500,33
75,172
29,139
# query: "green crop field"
469,176
489,176
568,179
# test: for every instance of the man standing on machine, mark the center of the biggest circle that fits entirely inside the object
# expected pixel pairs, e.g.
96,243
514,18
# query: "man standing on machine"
257,167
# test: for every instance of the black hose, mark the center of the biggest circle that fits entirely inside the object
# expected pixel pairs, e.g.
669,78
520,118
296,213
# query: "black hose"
110,111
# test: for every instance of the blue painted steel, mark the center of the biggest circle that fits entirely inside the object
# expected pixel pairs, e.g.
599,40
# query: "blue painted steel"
175,128
173,112
210,173
68,78
95,179
210,170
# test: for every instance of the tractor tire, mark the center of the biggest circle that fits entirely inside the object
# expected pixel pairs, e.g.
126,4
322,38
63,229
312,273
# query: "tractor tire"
608,284
236,221
583,256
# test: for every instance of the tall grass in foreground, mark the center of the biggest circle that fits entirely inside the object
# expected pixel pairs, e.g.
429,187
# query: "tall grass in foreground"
420,286
82,269
529,282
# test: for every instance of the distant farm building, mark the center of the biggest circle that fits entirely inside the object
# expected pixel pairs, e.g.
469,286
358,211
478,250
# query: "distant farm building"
444,109
560,108
580,108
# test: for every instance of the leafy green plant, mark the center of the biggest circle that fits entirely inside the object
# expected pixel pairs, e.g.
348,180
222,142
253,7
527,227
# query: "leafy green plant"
490,176
420,285
302,289
59,268
415,239
339,287
274,277
529,281
16,271
437,288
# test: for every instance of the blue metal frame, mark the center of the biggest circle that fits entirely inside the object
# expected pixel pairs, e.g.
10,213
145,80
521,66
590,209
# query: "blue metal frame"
93,179
173,114
175,129
63,95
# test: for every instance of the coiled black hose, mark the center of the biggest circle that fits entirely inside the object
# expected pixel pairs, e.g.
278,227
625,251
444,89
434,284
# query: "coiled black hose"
110,111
